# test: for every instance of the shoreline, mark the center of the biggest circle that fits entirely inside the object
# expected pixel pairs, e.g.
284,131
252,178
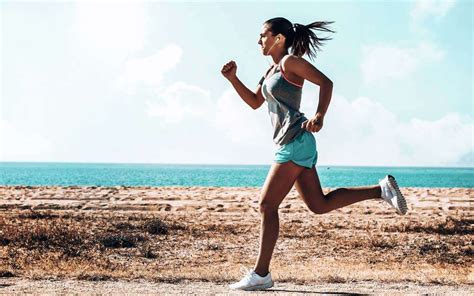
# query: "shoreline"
192,186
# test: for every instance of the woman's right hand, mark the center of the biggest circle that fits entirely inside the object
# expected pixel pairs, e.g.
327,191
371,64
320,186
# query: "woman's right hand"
229,70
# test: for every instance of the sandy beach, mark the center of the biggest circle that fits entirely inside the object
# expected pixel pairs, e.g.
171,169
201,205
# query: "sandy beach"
197,239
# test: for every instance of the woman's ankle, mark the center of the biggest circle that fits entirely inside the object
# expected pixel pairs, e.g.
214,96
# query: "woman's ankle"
261,272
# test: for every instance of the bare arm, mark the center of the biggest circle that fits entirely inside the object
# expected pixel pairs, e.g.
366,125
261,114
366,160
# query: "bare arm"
229,71
246,94
306,70
325,94
259,96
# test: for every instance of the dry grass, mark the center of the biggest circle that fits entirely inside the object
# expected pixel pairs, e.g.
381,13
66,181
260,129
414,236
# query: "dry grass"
104,246
170,234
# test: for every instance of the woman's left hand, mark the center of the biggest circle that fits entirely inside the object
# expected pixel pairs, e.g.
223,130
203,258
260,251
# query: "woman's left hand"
314,124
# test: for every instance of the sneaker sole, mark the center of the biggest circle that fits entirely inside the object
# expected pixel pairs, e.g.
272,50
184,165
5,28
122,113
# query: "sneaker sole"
259,287
401,201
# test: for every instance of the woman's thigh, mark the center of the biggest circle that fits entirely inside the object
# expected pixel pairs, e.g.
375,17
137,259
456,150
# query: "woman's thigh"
309,188
278,183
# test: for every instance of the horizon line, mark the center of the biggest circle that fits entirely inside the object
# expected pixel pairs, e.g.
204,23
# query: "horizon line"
230,164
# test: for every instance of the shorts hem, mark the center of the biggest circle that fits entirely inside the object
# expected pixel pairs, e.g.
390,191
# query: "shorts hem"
300,164
297,163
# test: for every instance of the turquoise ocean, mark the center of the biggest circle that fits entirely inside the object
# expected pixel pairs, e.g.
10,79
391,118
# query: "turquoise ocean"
110,174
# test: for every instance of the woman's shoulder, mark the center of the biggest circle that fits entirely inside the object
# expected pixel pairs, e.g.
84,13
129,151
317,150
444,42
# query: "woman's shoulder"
289,61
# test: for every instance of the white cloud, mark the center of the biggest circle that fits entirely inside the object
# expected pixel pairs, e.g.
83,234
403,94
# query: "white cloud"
443,141
422,12
21,145
239,122
149,70
364,132
180,102
426,8
382,62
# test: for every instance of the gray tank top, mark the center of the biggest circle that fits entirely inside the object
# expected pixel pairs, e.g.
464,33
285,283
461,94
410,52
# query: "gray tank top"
283,98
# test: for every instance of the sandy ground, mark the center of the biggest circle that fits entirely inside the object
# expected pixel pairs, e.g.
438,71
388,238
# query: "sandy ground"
52,241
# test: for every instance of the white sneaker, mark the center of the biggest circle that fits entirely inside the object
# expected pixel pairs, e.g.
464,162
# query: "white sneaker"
252,281
392,194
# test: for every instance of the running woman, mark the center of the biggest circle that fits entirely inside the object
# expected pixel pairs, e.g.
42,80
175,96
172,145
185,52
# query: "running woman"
296,152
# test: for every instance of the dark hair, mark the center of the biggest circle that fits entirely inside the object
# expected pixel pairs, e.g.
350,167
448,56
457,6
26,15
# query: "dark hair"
299,37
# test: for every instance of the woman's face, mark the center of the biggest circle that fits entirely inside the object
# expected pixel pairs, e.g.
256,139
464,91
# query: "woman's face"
266,39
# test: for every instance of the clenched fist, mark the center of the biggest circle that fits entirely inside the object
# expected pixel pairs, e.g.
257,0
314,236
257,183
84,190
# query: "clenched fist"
314,124
229,70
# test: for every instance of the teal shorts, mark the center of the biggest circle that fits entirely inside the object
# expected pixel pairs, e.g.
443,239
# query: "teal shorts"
301,150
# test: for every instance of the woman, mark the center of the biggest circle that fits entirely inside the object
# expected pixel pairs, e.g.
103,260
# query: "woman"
296,154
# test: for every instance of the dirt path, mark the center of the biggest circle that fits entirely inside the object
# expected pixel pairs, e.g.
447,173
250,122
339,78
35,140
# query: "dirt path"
22,286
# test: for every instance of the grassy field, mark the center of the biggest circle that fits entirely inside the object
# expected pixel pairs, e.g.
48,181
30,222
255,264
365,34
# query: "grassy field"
363,242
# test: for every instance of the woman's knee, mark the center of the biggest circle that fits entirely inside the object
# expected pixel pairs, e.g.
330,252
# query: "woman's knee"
319,208
267,207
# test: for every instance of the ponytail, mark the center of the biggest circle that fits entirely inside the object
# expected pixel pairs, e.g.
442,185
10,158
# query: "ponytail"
300,38
306,41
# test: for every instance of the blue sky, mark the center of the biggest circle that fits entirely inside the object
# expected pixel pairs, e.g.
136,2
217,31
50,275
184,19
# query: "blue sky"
129,81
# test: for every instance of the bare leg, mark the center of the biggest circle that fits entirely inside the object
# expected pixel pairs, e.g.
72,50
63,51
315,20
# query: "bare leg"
279,182
269,229
308,186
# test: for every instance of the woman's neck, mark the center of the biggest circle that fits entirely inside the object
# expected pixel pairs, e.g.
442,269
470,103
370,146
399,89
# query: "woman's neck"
277,57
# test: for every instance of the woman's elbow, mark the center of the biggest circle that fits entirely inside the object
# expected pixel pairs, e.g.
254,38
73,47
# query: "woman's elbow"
328,82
